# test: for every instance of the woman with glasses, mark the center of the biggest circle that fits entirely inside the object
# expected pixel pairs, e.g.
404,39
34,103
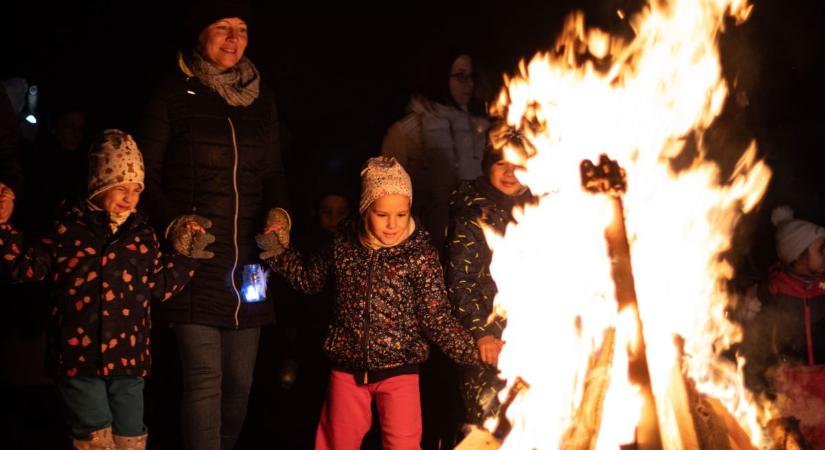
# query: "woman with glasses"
441,140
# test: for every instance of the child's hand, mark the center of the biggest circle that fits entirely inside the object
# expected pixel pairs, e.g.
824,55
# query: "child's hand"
275,237
489,348
189,236
6,203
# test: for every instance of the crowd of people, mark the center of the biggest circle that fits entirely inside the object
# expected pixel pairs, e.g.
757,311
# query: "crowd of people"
152,250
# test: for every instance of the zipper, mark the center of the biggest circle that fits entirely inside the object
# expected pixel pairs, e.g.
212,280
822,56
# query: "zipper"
235,227
808,335
365,337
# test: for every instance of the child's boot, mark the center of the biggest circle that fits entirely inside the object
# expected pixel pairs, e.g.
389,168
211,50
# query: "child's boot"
131,442
97,440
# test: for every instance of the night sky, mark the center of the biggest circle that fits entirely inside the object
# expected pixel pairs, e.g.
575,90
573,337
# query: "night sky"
342,74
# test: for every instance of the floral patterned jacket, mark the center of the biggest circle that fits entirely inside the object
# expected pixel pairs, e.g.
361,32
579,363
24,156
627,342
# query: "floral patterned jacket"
102,287
387,301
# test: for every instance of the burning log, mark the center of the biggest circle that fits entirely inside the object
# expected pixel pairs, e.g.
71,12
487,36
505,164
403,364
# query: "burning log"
481,439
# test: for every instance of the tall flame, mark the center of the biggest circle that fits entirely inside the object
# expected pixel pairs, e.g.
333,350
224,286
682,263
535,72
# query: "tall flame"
643,102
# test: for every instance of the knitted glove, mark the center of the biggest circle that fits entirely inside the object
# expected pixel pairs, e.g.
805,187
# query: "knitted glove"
275,238
189,236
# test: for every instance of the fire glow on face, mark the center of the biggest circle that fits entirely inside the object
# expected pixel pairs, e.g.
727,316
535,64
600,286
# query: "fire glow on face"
646,102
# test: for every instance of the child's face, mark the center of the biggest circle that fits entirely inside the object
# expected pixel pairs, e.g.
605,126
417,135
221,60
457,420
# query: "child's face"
503,178
816,260
388,218
121,198
332,210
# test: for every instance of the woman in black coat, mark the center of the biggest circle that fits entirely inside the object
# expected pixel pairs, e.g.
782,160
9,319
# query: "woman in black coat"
210,140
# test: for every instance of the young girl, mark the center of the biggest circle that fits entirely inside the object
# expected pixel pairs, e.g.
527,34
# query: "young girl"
489,199
104,266
390,296
785,343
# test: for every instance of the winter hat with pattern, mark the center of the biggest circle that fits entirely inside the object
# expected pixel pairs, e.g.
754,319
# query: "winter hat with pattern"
793,236
381,176
114,159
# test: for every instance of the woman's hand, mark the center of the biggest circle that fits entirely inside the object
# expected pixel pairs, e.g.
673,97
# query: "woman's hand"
275,237
189,236
6,203
489,348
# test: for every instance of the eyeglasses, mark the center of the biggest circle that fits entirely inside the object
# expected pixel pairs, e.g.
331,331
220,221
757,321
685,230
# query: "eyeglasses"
464,78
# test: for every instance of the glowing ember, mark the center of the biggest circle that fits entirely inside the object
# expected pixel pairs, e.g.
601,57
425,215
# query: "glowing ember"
648,99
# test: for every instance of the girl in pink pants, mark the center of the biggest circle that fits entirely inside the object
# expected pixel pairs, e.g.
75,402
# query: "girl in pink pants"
390,298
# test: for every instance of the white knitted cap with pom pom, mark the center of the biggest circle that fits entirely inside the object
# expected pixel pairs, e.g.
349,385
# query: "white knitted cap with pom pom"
793,236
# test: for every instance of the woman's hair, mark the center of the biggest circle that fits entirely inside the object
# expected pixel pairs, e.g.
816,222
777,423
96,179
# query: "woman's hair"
433,79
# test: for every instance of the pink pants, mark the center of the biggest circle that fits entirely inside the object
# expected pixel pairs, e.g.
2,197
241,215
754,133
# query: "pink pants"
346,416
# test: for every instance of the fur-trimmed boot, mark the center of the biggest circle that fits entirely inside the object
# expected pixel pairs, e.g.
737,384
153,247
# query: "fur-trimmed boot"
131,442
97,440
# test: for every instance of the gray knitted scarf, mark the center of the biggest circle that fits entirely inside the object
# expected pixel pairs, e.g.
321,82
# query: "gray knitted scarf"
239,85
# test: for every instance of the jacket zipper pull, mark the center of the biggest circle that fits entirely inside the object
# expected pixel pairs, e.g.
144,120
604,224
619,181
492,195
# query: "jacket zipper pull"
366,377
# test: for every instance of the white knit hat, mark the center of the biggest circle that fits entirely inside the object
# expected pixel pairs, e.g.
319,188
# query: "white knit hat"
114,159
793,236
381,176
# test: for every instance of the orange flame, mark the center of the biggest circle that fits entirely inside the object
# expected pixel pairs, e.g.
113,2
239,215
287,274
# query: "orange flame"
639,101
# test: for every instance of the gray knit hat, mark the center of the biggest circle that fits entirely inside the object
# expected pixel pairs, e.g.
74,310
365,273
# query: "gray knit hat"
793,236
382,176
114,159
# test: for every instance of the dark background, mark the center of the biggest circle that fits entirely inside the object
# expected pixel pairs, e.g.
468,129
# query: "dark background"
342,74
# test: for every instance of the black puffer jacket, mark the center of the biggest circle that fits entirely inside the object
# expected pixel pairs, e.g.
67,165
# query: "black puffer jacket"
469,283
223,162
102,286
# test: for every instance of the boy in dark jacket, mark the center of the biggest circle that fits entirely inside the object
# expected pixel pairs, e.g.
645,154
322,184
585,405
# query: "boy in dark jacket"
103,263
488,200
390,297
785,343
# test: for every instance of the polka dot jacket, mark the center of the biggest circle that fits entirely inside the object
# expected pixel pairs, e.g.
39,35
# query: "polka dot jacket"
387,301
102,286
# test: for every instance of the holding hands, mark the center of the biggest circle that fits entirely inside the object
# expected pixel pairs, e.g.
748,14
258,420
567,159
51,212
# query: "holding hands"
189,236
489,348
6,203
275,238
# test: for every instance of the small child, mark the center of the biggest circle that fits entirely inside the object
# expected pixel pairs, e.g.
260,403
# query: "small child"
785,343
104,267
488,200
390,295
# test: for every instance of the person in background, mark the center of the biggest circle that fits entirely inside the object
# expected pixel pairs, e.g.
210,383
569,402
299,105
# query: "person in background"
441,141
104,267
784,343
211,141
390,299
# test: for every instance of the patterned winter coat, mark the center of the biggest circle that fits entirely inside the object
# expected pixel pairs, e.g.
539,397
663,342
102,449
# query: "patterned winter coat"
387,301
102,286
470,285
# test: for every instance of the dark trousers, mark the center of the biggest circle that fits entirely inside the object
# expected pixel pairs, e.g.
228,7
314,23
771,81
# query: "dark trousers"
217,366
94,403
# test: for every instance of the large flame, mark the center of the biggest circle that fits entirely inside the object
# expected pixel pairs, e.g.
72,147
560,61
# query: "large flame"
643,102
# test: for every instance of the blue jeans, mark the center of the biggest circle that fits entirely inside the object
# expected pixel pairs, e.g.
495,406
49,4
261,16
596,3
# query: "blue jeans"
94,403
217,366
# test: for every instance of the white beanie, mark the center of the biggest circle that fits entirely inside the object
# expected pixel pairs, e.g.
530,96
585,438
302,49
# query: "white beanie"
114,159
793,236
382,176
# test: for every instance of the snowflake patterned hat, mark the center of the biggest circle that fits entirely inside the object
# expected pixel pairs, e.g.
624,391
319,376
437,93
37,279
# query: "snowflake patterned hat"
793,236
382,176
114,159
